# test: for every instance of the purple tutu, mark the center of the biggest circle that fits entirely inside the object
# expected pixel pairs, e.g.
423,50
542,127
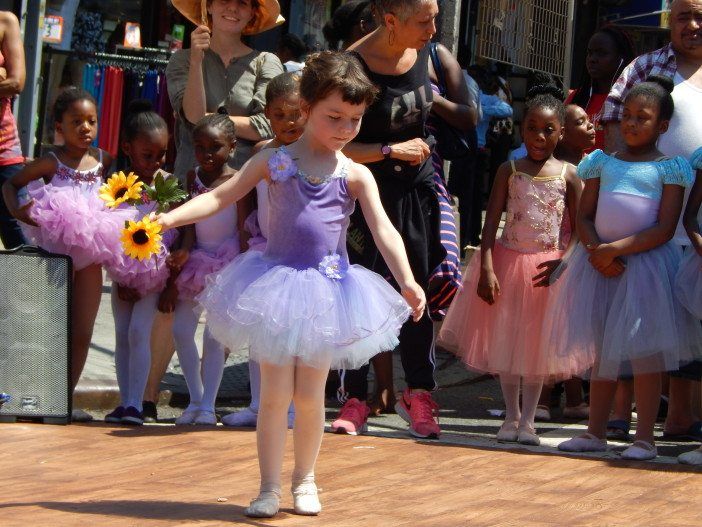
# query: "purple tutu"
201,264
145,276
257,242
284,314
74,222
688,282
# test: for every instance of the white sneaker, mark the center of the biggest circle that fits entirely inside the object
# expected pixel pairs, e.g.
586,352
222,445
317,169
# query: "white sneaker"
187,417
245,418
265,505
206,418
306,499
693,457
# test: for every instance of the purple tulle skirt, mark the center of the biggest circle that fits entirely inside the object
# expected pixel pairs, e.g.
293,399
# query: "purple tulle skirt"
688,282
201,264
74,222
284,314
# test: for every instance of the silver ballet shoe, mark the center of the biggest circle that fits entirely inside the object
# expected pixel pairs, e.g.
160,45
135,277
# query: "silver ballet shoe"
265,505
306,500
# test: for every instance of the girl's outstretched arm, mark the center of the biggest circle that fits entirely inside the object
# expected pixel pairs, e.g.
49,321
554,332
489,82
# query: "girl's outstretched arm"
231,191
660,233
389,242
37,169
488,285
690,222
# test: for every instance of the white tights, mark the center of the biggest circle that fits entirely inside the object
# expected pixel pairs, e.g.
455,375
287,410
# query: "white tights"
303,385
133,322
530,399
203,378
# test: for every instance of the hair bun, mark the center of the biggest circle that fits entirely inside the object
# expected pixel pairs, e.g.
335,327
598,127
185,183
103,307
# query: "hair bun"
664,82
545,89
222,111
140,106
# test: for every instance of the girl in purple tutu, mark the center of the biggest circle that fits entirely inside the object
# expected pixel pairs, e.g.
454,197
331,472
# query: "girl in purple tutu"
64,213
216,244
137,285
299,306
283,112
615,301
495,320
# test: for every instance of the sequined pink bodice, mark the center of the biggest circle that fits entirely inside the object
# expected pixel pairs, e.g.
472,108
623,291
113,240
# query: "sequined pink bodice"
536,219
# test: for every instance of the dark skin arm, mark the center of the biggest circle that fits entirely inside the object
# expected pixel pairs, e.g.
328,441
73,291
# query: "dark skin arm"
13,51
458,109
671,205
44,167
574,190
690,222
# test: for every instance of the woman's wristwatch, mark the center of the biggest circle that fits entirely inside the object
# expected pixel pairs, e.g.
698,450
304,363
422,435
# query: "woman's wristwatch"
386,150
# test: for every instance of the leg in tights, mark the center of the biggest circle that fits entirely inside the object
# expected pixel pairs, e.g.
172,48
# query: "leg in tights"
530,399
212,368
309,421
510,393
185,320
277,386
122,314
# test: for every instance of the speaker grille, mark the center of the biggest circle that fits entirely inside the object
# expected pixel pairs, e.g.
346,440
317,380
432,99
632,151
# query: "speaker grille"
34,333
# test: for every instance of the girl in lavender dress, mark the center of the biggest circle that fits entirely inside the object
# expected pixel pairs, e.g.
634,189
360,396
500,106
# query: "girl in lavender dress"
494,322
616,300
299,305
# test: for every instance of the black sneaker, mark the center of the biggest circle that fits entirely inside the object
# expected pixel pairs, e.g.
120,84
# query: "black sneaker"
149,412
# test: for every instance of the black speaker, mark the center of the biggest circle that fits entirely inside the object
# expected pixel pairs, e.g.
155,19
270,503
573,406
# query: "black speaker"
35,336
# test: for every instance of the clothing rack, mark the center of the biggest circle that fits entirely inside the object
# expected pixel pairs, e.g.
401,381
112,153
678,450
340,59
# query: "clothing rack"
84,55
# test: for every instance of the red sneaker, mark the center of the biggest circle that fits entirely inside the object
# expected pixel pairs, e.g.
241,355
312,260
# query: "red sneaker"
421,412
352,419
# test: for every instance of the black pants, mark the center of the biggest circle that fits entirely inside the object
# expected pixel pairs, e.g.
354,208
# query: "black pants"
10,232
417,353
466,183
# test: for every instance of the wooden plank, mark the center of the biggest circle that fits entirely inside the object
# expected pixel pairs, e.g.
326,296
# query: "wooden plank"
163,475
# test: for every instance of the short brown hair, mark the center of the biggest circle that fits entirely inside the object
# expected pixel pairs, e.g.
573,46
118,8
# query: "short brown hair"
403,9
328,71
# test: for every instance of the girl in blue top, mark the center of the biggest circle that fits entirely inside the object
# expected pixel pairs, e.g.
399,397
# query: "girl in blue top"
615,302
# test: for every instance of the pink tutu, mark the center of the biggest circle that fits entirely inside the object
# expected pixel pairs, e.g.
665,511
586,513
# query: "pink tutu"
284,314
505,338
688,282
74,222
202,263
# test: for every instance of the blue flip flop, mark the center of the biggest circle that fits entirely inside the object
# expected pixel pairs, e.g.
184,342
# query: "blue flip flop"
618,430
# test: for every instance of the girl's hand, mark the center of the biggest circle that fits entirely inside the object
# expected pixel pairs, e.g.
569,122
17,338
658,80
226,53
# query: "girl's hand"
414,295
199,42
616,268
176,260
488,287
127,294
3,74
168,299
162,220
602,256
415,151
22,214
542,279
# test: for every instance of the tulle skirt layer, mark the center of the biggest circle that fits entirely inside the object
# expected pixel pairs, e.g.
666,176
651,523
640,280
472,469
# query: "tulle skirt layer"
505,338
202,263
74,222
632,323
284,314
688,282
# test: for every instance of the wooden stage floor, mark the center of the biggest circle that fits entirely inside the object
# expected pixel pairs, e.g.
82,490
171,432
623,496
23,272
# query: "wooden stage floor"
97,475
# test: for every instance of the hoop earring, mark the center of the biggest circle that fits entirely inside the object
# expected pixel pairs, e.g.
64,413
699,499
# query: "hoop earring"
391,37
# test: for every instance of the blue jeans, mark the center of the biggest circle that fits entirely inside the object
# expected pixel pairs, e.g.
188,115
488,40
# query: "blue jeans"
10,232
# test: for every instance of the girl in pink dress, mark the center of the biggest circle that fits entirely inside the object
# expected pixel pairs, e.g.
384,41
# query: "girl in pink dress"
498,329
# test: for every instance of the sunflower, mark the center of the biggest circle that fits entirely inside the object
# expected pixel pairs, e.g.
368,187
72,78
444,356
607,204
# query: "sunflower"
120,189
141,239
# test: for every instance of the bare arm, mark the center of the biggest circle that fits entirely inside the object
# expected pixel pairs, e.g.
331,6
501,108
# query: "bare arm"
13,51
37,169
690,216
458,108
387,239
194,100
414,151
229,192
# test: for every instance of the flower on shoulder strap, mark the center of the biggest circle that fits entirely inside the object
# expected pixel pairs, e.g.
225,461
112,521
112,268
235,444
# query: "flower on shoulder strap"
281,166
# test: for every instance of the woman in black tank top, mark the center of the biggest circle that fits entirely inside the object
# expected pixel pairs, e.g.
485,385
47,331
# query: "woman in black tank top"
393,144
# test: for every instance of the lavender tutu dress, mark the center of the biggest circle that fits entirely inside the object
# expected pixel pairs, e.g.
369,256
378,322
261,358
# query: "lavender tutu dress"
631,323
505,338
300,299
217,243
72,218
145,276
688,282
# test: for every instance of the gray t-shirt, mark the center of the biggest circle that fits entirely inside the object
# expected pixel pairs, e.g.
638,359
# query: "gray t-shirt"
240,87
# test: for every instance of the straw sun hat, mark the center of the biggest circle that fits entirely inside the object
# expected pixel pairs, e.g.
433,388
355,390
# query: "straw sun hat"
267,14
